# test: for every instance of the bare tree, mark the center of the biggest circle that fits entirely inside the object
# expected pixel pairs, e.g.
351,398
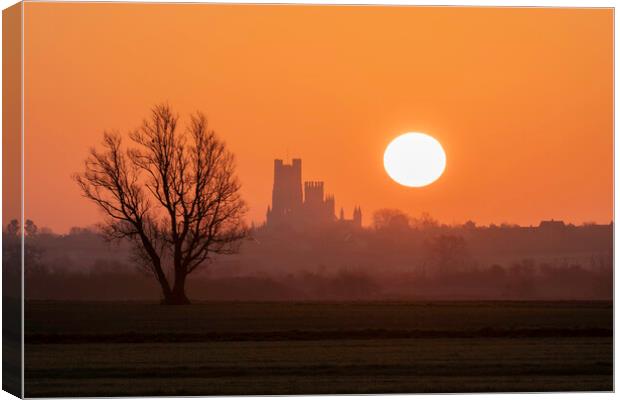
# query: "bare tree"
424,222
390,219
31,228
174,195
448,253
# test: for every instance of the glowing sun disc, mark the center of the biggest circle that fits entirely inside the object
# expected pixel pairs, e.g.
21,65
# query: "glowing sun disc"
414,159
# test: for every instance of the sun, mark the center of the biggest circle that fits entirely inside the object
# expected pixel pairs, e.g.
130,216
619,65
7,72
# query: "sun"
414,159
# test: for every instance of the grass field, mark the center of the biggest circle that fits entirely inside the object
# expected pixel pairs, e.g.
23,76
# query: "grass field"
105,349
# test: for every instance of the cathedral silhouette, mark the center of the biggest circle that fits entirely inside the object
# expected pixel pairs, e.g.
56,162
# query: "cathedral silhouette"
297,206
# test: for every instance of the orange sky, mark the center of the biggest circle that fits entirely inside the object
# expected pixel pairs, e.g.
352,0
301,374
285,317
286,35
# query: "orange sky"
521,99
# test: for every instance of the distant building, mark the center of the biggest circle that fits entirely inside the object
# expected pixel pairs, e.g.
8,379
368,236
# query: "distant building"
301,206
551,224
355,221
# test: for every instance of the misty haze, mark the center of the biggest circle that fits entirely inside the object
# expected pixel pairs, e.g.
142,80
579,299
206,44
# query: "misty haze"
305,250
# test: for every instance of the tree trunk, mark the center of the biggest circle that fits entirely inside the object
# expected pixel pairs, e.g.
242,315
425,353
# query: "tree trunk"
177,295
176,299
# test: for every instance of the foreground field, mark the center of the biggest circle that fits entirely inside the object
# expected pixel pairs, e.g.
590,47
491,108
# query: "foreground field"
105,349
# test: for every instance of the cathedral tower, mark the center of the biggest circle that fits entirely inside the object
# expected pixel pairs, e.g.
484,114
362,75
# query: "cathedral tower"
286,198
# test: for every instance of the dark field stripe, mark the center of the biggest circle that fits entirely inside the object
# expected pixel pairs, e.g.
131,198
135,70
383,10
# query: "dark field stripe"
202,371
366,334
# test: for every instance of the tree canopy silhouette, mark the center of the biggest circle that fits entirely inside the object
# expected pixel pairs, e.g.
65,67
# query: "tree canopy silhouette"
174,194
390,219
